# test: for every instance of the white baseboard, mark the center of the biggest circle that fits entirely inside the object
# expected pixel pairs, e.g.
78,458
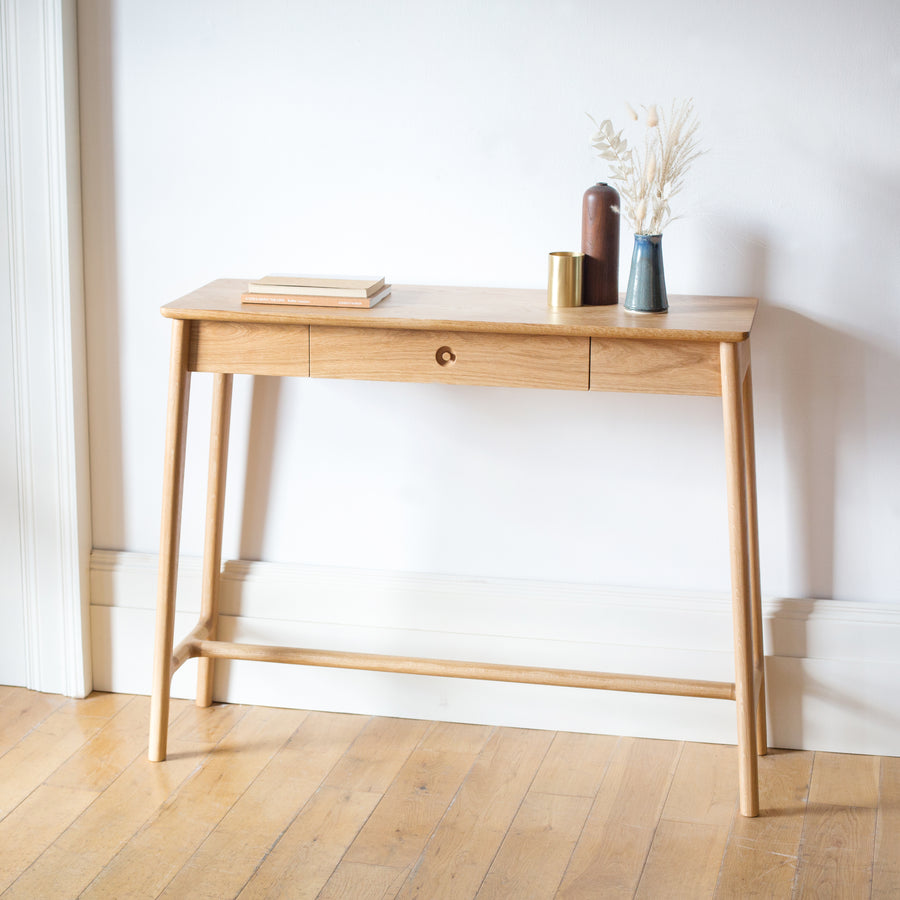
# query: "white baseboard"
832,667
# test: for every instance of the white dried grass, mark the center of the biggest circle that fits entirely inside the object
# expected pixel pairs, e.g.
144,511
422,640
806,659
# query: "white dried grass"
648,178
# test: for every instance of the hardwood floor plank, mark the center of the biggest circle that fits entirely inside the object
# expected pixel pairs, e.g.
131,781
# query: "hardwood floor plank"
398,829
304,859
377,755
261,815
841,779
457,738
702,789
687,849
98,705
683,862
610,855
35,823
558,774
886,874
79,854
839,827
837,852
96,764
21,711
352,881
204,725
147,863
313,845
459,853
39,753
762,854
536,850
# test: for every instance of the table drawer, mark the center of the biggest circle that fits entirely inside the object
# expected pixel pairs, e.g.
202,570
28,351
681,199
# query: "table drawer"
505,360
655,367
247,348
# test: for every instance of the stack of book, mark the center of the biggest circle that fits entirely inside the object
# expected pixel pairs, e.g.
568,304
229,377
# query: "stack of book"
314,290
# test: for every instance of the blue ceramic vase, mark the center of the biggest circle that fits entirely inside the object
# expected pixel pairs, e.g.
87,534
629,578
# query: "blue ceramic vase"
647,281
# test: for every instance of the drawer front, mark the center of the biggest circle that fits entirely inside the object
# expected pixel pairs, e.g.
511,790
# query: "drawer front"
504,360
655,367
248,348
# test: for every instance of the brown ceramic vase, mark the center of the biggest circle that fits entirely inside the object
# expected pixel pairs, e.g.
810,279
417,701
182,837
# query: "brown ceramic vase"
600,245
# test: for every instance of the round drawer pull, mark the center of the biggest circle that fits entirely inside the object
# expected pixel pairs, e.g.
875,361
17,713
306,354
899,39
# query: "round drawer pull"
445,356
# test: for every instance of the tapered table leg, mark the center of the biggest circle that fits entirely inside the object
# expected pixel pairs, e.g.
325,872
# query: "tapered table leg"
741,609
759,659
212,547
170,535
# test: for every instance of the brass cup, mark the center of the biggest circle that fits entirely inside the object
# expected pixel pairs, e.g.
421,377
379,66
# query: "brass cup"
564,284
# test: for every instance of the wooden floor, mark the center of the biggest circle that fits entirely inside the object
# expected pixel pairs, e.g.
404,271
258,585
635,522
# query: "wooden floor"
257,802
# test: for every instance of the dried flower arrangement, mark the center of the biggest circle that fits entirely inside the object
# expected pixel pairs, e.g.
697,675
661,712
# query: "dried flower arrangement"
647,179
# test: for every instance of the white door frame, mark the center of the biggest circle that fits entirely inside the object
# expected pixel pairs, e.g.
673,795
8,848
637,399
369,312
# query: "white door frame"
39,85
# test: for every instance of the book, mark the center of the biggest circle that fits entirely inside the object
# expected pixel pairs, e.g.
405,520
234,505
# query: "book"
321,300
316,286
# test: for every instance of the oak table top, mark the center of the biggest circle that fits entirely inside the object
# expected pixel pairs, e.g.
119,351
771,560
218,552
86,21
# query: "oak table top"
485,309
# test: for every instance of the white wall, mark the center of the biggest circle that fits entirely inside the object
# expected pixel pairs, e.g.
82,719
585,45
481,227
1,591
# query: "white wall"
448,143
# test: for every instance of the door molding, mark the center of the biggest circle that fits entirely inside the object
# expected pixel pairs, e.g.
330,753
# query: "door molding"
43,219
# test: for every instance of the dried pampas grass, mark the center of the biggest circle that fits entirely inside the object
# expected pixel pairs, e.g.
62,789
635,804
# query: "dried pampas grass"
649,177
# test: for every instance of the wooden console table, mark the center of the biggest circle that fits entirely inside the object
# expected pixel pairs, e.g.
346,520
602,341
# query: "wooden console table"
482,336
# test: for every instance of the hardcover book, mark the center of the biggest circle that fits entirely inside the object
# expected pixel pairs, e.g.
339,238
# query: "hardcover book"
278,297
316,286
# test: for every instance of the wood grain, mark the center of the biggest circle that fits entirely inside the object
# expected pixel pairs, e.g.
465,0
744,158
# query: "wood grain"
311,848
377,755
654,367
840,779
839,826
741,586
449,357
886,871
69,864
683,862
465,842
837,852
610,855
170,535
698,813
451,668
40,753
36,822
398,829
247,802
101,760
759,659
21,710
537,848
246,348
351,881
762,854
159,850
256,822
557,775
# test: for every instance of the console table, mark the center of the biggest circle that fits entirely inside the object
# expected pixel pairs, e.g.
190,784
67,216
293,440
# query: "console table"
481,336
